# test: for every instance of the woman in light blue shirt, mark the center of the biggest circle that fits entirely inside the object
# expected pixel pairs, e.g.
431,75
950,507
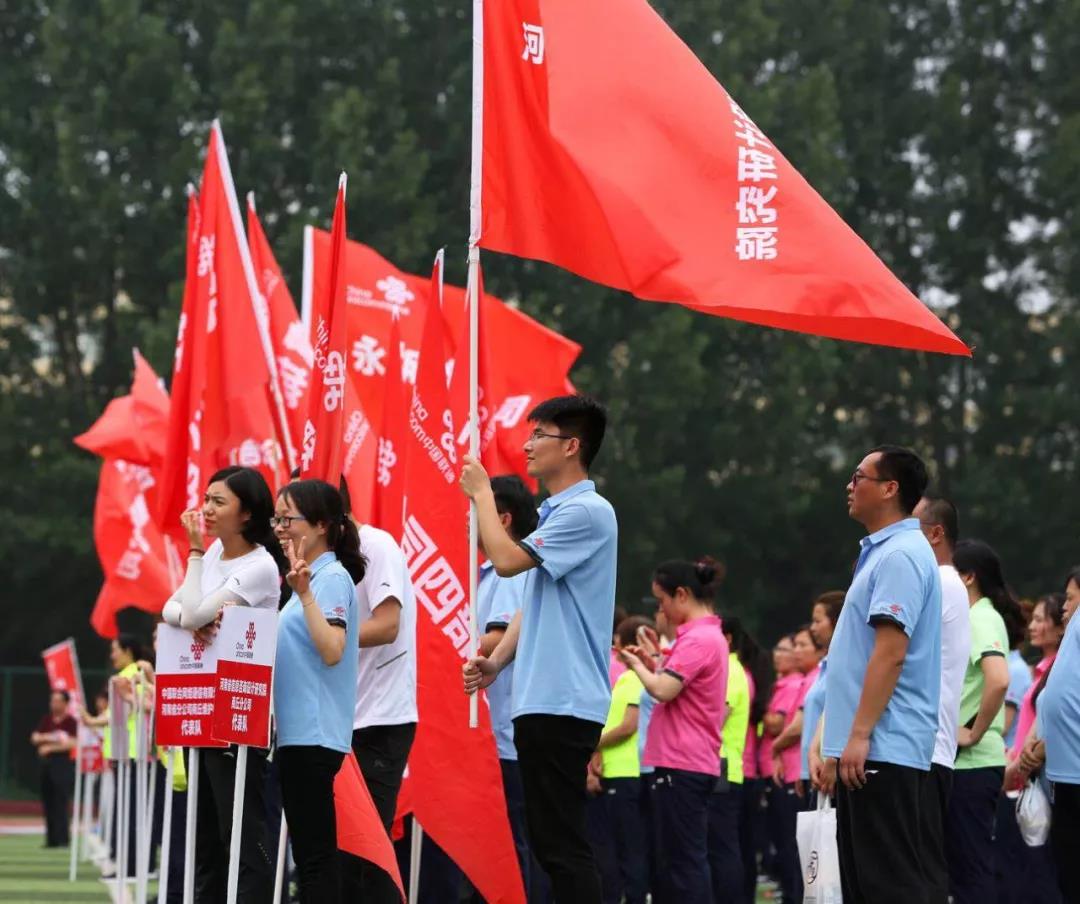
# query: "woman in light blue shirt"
315,673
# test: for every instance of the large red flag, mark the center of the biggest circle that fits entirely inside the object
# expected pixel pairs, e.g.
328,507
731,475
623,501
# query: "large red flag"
359,828
393,445
141,565
222,408
322,452
435,546
291,345
521,363
663,186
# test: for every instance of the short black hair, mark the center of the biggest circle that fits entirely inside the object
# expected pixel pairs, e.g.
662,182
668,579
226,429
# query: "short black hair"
943,512
908,470
513,498
62,693
579,416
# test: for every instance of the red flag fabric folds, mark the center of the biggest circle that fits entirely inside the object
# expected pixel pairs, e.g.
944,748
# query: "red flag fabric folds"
321,453
435,545
359,829
664,186
221,413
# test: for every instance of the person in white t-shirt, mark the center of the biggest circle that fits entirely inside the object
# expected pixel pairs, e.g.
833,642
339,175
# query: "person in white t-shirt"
940,526
241,567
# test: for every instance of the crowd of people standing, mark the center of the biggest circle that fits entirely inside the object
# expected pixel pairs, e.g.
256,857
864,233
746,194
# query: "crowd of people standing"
663,757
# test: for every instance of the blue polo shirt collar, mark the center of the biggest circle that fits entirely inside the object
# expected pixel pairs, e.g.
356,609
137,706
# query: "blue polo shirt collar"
320,563
553,502
486,566
880,536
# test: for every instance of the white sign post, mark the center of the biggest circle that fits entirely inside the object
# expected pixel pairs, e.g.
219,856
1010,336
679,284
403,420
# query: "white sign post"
246,642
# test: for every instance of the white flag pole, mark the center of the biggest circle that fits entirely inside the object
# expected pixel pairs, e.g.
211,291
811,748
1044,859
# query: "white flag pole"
76,806
122,793
473,285
189,827
239,786
148,853
279,876
89,784
107,809
416,842
166,826
141,833
307,286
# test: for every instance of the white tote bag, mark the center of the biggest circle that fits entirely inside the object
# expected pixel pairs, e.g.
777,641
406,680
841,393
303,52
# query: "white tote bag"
1033,814
816,835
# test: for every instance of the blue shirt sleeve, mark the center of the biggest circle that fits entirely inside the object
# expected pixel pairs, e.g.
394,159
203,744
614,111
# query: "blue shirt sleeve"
507,600
336,599
898,593
568,538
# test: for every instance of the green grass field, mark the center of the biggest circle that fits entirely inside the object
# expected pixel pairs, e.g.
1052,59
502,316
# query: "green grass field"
31,874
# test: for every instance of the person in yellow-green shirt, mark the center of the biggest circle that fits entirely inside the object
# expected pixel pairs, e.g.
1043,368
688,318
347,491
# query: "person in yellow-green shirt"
619,822
997,624
725,853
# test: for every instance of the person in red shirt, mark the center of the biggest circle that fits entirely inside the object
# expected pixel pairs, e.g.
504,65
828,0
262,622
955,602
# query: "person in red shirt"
54,739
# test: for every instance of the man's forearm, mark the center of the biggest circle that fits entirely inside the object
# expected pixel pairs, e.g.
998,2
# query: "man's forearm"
882,673
504,653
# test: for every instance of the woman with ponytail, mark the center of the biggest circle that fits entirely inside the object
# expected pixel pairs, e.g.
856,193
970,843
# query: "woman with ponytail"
241,567
997,625
315,677
683,745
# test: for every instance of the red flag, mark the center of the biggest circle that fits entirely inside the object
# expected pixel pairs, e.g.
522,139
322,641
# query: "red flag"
132,427
521,363
730,228
221,410
291,345
141,565
322,452
359,829
435,545
393,443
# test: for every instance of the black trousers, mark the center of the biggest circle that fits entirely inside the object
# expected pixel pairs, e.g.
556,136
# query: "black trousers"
752,834
784,807
619,841
680,801
1024,875
879,836
174,893
515,811
382,752
553,754
1064,830
213,822
969,833
307,794
935,805
725,855
57,785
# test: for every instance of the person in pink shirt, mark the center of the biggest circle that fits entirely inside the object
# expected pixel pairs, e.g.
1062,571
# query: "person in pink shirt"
683,745
1028,873
787,792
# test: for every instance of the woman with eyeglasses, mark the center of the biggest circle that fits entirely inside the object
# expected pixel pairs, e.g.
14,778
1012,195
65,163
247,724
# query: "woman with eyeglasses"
241,567
315,674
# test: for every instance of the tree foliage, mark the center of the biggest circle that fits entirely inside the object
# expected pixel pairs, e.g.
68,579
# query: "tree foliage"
946,133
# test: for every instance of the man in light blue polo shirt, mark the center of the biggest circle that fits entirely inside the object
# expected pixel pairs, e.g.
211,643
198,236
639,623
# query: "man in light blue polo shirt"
498,600
562,637
881,698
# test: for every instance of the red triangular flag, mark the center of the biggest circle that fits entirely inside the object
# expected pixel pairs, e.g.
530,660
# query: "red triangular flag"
435,545
359,829
321,445
291,345
673,193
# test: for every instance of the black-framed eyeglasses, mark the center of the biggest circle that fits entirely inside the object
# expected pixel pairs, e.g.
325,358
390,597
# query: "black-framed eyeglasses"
859,475
285,521
539,434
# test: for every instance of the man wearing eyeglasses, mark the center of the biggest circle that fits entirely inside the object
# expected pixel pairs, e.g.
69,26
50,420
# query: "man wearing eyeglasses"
560,640
881,701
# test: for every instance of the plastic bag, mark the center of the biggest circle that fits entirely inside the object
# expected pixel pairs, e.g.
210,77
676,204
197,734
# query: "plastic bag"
818,854
1033,814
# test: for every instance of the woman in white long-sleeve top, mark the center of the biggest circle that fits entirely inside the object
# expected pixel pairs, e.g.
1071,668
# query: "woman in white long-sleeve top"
243,566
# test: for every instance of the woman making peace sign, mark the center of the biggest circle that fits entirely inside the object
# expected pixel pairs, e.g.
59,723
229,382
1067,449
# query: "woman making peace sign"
315,677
